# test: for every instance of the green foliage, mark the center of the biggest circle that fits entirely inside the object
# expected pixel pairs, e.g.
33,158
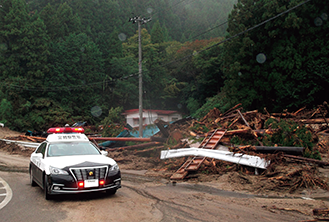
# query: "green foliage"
199,127
285,133
289,77
289,133
244,141
5,111
60,21
205,172
199,75
14,35
69,53
312,154
157,33
76,64
113,124
218,101
237,140
45,113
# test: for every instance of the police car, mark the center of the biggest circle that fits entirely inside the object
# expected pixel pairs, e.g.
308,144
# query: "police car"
67,163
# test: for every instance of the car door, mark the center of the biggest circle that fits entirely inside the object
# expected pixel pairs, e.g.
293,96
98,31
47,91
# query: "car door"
36,160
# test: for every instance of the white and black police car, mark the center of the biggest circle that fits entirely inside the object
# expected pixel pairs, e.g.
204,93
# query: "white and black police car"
67,163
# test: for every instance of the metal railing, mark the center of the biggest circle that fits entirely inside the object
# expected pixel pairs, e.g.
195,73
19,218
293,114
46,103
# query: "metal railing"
22,143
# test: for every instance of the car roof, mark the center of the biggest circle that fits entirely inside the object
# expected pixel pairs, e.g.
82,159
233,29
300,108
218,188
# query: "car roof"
67,137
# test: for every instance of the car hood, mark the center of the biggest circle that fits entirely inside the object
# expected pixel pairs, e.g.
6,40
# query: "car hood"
80,160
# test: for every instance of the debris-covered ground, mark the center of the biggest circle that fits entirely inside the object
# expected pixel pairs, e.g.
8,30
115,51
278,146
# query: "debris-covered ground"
291,173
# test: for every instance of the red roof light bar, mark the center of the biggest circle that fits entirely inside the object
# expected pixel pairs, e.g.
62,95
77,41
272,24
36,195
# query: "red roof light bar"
66,130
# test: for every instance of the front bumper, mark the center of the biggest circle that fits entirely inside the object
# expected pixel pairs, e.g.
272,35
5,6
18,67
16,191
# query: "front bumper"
68,184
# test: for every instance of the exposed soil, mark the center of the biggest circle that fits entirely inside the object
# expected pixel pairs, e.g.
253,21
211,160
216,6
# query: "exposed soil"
285,178
6,132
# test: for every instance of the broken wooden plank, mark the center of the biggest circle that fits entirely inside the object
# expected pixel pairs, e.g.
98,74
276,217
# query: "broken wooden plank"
234,115
285,149
135,139
158,139
314,121
308,160
234,121
252,131
295,113
148,150
161,125
232,109
34,137
288,209
138,146
239,131
321,211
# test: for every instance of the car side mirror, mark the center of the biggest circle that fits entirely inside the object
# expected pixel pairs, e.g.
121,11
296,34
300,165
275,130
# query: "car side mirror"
104,153
37,155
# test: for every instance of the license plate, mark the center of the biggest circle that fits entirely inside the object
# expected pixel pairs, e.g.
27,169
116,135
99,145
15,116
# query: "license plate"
91,183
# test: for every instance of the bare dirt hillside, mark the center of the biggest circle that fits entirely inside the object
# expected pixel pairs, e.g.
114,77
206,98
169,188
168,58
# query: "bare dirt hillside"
6,132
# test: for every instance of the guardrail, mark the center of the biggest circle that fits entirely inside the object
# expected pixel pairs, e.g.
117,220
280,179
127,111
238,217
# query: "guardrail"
22,143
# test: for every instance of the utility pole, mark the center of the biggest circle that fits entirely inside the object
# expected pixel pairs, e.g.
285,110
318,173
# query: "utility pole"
140,22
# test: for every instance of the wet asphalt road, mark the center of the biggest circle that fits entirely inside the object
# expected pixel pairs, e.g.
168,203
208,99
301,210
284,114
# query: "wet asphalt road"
141,198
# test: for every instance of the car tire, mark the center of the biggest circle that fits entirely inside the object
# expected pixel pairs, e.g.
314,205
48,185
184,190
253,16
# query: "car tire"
46,189
32,182
111,192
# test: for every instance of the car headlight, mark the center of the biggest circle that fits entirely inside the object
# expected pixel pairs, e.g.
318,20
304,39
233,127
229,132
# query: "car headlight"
54,170
114,167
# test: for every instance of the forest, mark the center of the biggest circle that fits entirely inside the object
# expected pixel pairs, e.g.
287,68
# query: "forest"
64,61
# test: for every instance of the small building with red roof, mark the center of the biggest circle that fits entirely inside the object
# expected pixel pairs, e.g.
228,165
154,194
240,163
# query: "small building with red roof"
150,115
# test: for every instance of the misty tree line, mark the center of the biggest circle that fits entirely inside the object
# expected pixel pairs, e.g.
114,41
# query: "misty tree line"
67,61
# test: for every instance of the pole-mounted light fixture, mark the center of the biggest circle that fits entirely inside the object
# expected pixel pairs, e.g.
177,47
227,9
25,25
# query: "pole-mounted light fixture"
140,22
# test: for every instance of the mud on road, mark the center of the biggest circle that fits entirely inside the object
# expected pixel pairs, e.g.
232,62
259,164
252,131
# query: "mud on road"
152,198
147,194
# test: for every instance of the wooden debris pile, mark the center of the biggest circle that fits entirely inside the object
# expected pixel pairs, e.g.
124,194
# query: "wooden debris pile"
288,174
249,133
34,139
251,127
303,178
293,166
255,119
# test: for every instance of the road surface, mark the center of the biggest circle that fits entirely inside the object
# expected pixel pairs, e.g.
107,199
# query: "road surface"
143,198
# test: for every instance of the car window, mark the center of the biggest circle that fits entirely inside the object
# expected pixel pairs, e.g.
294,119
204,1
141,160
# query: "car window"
54,150
42,149
73,148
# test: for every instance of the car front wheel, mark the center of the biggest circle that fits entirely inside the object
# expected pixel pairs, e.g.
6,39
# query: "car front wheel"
46,189
32,182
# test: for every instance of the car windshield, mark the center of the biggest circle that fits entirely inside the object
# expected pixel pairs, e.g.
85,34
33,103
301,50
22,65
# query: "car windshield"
70,149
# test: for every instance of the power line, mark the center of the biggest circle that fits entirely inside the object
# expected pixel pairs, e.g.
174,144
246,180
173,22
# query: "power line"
181,59
67,88
240,33
218,26
213,28
52,88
